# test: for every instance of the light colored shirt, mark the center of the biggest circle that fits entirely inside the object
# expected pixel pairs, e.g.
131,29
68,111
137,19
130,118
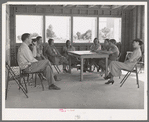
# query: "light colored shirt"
25,56
134,56
115,52
95,47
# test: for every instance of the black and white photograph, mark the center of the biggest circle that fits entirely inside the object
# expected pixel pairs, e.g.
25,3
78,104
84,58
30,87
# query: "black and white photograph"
74,60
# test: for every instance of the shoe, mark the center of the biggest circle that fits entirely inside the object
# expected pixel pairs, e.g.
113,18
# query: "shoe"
107,77
56,78
53,87
110,81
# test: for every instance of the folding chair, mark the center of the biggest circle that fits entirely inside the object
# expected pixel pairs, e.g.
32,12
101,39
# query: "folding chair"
57,68
141,63
134,69
17,79
36,73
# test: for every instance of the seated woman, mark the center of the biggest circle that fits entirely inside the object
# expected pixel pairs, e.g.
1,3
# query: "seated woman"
105,45
54,56
95,47
113,52
67,48
116,67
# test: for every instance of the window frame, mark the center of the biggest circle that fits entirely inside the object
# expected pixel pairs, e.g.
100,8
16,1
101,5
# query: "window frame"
71,23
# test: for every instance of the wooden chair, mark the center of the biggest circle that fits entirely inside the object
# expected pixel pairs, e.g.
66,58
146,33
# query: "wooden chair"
17,79
133,70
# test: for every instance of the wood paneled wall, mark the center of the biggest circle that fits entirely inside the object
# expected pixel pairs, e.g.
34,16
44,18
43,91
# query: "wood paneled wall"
131,19
132,28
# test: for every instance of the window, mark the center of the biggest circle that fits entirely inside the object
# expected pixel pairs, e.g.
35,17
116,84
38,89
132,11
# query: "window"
58,28
109,28
28,24
84,29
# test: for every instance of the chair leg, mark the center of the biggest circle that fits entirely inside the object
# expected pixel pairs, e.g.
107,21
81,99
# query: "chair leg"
28,78
21,86
24,91
25,85
124,79
137,77
7,86
41,82
35,79
56,69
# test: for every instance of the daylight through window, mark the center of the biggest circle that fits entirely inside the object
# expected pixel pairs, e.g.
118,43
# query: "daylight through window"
84,29
58,28
28,24
109,28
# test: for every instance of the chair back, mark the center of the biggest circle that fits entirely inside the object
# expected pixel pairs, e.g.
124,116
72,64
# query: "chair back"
138,60
10,70
119,56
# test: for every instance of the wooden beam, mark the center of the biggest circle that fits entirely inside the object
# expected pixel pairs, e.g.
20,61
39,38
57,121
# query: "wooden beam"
90,6
68,5
116,6
105,6
64,5
124,7
132,7
78,6
102,6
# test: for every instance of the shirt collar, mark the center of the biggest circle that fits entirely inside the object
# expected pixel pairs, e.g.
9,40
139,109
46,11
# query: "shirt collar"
25,44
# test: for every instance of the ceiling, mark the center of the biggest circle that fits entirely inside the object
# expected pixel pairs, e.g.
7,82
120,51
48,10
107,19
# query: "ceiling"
96,6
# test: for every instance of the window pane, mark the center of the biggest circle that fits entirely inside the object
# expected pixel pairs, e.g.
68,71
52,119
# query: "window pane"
109,28
28,24
84,29
58,28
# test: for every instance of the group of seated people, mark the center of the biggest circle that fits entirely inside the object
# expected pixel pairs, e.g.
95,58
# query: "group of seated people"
31,59
109,47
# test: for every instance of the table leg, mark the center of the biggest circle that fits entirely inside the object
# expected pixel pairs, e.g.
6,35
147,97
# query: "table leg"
81,71
106,73
69,64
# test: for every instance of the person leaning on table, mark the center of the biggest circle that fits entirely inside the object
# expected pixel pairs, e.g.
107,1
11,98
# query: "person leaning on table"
113,52
115,67
65,50
89,62
29,64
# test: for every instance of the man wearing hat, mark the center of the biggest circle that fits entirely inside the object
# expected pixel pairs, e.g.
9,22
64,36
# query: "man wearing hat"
116,67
